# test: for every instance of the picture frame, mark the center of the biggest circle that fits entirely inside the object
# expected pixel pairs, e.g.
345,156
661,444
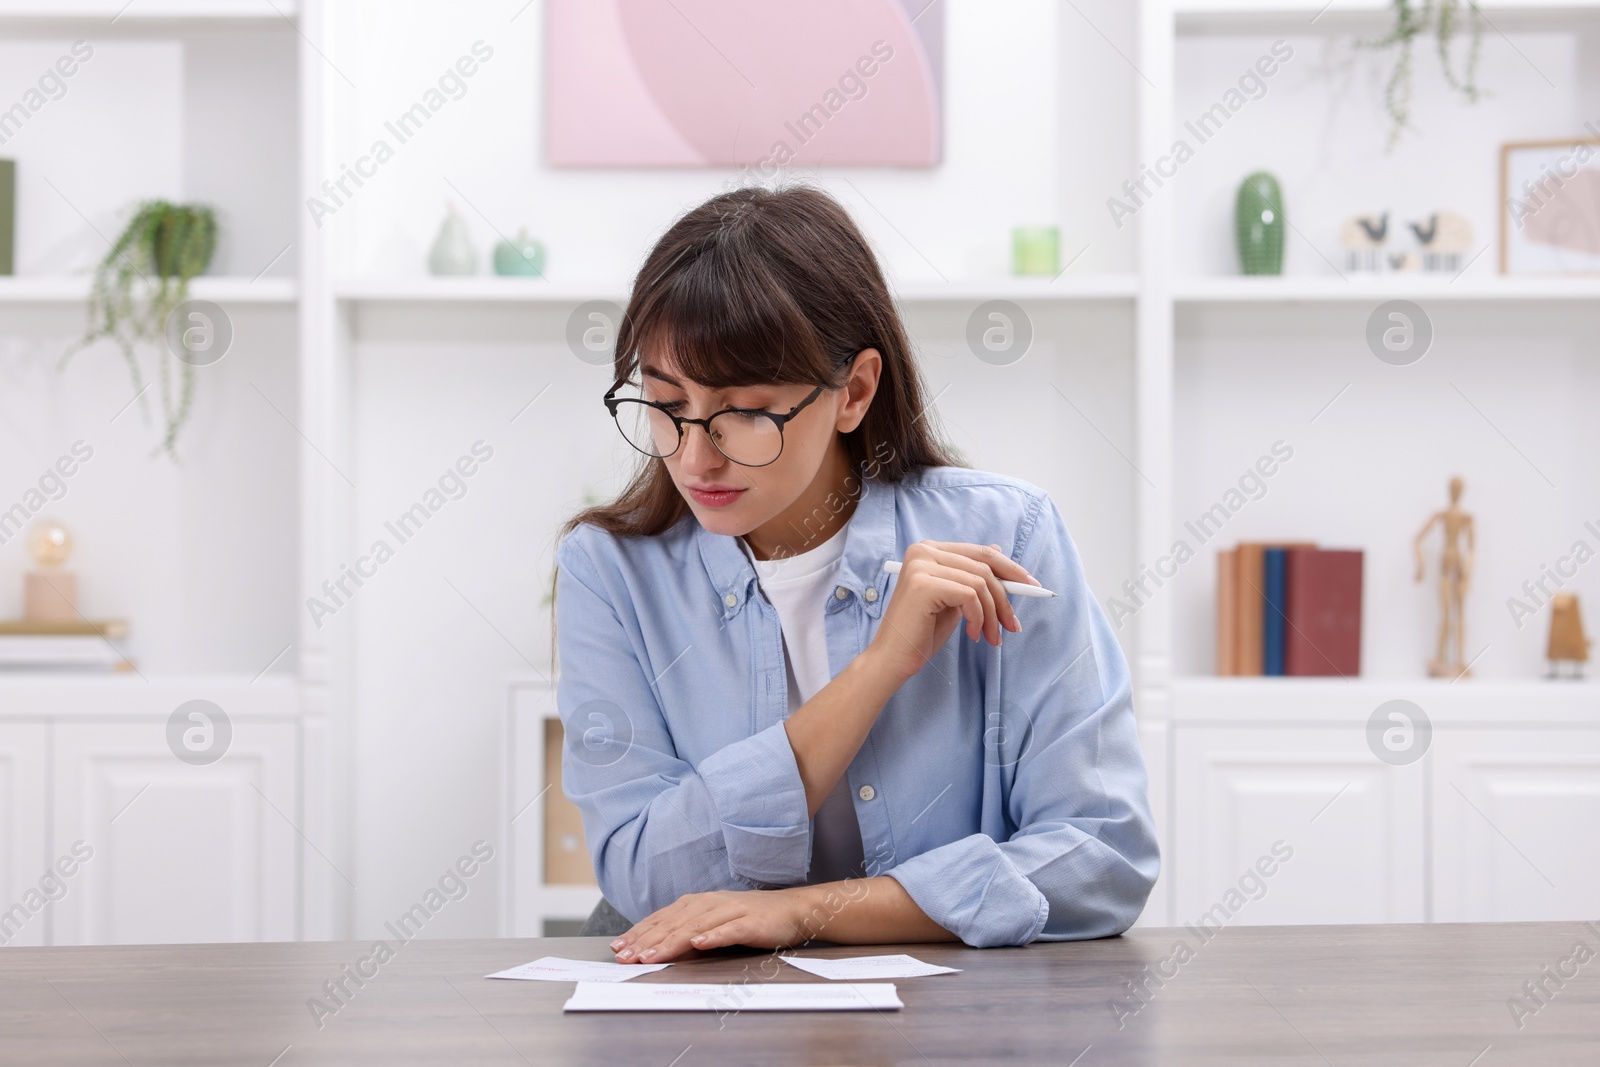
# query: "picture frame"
1550,207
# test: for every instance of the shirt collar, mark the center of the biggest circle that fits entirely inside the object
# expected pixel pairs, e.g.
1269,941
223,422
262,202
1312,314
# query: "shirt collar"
869,541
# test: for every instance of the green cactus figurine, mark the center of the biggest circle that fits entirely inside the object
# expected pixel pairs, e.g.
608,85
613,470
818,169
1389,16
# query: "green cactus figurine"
1258,224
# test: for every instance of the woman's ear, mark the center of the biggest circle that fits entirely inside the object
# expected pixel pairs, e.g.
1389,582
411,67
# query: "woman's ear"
865,370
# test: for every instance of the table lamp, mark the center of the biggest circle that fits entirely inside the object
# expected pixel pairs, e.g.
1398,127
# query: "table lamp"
50,594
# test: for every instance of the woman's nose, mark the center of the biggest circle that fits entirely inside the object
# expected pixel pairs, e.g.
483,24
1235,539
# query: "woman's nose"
698,453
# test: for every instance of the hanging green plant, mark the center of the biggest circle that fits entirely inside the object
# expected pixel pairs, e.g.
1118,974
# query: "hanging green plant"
1442,18
137,285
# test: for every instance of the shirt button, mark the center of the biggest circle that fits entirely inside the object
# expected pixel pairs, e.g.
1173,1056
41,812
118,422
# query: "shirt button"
866,792
871,595
840,593
731,599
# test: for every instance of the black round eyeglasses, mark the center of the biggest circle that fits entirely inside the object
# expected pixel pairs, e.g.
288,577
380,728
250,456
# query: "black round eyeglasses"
750,437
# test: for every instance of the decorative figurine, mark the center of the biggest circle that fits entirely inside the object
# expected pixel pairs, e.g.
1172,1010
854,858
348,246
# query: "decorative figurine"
1445,238
1363,237
1404,261
1258,224
1567,643
49,594
452,251
1455,572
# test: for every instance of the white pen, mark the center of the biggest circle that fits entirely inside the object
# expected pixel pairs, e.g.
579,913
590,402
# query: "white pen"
892,566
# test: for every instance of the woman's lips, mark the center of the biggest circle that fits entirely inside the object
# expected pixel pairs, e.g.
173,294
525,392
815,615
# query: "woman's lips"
715,498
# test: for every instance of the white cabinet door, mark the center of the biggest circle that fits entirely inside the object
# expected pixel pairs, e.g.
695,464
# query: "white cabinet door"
25,888
181,853
1354,825
1516,821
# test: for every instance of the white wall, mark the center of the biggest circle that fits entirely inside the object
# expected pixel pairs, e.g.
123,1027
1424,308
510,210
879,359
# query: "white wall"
432,659
1015,74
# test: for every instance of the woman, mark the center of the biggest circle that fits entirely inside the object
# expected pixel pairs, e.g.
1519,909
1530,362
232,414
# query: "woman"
772,739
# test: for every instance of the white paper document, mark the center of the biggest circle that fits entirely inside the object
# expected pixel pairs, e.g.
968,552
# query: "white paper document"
864,967
556,969
733,997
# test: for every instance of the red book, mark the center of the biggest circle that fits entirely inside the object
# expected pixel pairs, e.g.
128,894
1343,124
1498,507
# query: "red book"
1323,633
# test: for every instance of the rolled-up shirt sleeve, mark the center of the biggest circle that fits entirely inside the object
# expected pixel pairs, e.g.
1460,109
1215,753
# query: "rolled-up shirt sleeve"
1081,857
656,827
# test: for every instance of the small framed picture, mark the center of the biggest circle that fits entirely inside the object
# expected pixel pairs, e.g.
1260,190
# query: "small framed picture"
1550,207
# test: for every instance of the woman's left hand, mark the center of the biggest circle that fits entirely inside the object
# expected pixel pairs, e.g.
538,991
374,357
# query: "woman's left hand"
759,918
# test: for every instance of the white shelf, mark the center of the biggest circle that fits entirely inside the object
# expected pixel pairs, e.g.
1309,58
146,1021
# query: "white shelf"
1298,701
493,289
74,289
1063,287
1262,17
124,11
1334,289
33,694
475,289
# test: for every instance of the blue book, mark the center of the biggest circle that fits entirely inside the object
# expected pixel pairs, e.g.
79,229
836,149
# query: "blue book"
1274,610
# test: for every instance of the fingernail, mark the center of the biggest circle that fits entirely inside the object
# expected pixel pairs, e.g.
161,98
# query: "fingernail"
625,953
697,938
648,953
618,943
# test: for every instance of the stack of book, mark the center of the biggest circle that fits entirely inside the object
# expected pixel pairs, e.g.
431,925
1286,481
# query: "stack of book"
80,645
1288,608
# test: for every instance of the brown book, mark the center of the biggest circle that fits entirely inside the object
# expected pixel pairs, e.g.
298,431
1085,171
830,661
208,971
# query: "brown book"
1228,611
1248,604
1323,635
566,856
1252,587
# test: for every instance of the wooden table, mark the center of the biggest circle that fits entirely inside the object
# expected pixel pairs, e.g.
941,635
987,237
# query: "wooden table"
1329,995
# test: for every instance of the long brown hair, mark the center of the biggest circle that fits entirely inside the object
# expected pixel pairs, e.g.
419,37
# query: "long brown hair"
760,285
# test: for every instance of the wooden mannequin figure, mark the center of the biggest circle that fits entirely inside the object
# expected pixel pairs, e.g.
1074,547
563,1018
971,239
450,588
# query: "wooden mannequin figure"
1455,573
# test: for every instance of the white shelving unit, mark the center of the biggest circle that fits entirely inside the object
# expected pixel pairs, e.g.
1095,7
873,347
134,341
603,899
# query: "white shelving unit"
1128,336
74,290
86,756
89,13
1346,16
1373,290
490,289
1236,762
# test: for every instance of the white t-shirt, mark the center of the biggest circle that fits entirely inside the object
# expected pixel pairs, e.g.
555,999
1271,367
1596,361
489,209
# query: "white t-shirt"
799,587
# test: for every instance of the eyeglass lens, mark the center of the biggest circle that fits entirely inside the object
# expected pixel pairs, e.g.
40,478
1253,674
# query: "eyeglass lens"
750,439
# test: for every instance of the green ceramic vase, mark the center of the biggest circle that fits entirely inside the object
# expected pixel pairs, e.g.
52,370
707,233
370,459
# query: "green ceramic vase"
522,257
1258,224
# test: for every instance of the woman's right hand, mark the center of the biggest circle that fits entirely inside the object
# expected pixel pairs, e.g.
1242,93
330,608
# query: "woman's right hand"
941,583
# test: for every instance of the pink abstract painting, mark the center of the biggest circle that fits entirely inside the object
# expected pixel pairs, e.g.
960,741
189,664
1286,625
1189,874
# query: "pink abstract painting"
693,83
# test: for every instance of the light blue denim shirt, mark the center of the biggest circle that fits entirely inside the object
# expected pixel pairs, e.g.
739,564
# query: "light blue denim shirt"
1002,787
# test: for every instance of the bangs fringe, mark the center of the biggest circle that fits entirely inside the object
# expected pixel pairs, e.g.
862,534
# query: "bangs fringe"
724,318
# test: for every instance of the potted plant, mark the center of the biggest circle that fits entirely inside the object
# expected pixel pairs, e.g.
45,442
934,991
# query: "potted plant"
1443,18
138,284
